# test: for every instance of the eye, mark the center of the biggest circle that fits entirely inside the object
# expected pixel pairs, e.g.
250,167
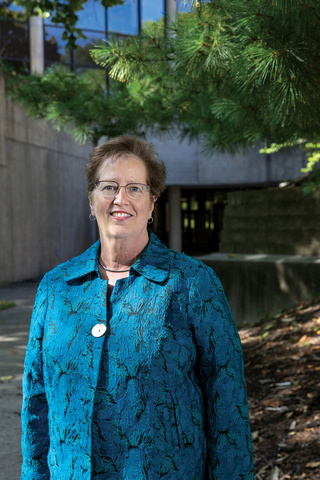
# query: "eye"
134,188
108,187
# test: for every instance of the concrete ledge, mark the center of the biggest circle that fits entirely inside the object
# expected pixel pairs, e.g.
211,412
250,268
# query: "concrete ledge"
257,284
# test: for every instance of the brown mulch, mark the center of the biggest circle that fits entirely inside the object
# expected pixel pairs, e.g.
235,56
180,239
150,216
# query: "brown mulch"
282,367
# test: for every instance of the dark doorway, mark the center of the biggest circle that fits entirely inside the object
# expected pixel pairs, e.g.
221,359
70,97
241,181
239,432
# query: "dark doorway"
201,216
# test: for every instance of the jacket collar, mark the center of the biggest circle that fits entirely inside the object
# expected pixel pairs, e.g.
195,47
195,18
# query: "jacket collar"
84,264
154,263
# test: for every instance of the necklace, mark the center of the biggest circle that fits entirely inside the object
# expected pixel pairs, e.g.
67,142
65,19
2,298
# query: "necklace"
113,271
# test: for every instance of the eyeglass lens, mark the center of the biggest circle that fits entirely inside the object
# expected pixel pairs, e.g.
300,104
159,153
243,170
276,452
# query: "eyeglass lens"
111,189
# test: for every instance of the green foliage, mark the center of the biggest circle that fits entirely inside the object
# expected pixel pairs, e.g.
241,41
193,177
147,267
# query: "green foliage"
312,151
311,183
6,13
77,103
313,156
233,73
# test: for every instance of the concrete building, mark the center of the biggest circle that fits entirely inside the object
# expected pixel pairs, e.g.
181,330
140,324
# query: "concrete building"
44,216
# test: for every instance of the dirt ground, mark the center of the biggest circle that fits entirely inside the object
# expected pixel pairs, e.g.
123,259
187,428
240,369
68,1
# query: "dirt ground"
282,367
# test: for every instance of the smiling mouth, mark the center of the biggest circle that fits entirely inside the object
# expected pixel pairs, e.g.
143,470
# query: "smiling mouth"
120,215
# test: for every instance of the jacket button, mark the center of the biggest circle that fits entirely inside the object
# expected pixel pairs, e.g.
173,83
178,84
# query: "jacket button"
99,330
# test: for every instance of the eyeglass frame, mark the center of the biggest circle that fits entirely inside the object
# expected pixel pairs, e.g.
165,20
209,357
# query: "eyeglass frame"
123,186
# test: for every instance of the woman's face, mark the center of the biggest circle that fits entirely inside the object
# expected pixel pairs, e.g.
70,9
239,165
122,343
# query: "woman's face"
122,217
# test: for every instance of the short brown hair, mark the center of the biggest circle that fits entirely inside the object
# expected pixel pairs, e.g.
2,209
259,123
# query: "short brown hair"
122,146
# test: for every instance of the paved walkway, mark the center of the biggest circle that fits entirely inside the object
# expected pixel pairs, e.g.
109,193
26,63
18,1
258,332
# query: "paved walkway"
14,330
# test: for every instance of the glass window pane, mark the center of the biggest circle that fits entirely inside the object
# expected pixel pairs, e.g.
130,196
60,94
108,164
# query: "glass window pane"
54,46
82,56
92,16
124,18
14,40
151,10
184,6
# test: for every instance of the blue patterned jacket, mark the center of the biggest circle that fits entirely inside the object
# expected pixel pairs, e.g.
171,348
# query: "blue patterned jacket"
174,400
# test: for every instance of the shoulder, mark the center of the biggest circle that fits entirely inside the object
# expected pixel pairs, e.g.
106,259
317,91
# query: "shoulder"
76,266
193,269
188,268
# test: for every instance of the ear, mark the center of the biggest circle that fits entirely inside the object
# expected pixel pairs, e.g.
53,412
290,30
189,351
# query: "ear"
90,197
153,200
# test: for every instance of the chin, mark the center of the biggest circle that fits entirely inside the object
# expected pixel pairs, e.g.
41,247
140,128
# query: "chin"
119,231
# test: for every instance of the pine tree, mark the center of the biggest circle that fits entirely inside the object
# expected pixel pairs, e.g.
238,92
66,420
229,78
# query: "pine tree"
236,72
232,72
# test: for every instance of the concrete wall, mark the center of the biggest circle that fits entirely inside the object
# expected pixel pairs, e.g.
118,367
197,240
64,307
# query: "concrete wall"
188,165
44,208
259,285
271,221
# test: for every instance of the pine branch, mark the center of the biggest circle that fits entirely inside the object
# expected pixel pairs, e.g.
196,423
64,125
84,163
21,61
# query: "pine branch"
233,73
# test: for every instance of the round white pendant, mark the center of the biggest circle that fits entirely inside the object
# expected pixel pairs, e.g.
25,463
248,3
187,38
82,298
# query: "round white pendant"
99,330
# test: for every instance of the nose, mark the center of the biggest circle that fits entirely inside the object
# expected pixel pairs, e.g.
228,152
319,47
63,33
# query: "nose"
121,195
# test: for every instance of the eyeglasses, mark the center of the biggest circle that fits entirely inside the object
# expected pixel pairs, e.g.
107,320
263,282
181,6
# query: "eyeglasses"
111,189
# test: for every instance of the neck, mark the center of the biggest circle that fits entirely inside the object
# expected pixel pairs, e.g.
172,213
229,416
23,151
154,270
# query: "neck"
120,253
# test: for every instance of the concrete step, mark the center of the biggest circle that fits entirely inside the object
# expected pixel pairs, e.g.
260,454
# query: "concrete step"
269,248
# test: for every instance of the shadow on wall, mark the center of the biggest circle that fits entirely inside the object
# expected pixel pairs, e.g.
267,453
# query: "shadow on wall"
43,196
260,284
272,221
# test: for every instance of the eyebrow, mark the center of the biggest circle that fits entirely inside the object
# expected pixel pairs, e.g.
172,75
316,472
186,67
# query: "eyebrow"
130,181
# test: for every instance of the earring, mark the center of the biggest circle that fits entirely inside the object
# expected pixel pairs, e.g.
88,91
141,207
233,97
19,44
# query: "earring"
150,220
92,217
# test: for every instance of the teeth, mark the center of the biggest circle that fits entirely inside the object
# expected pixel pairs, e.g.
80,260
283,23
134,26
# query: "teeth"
121,215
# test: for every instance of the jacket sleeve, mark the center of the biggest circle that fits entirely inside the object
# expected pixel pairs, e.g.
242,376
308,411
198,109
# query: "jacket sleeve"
221,377
34,414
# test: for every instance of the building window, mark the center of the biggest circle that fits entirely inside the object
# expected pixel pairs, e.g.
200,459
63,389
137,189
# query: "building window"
184,6
152,10
95,22
92,22
14,36
92,16
123,19
54,46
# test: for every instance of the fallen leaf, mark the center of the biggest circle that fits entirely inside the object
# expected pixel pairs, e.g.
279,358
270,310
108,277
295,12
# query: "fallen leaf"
268,327
313,465
275,474
303,339
293,425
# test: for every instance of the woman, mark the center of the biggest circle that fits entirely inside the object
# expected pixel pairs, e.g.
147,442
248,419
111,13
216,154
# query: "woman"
134,366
